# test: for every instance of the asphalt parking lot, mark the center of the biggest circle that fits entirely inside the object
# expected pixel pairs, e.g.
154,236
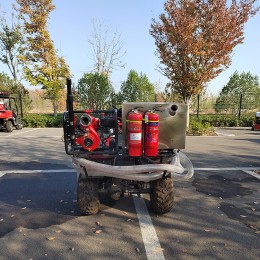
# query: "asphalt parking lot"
216,213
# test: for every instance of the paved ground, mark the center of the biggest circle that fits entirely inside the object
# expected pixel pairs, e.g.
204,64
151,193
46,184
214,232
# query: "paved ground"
216,213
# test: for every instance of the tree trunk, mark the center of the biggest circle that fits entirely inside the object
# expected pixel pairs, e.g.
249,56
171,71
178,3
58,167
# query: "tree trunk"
54,108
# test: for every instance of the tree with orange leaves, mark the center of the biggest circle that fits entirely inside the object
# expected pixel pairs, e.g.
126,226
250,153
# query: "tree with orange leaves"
42,65
195,40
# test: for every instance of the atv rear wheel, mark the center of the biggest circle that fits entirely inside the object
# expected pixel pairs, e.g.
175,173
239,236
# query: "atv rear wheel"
87,195
9,126
162,197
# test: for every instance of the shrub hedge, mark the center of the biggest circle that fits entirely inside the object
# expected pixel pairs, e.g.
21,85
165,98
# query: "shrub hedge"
225,120
42,120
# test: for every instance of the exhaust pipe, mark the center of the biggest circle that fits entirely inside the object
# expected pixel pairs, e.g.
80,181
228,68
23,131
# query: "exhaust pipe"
147,172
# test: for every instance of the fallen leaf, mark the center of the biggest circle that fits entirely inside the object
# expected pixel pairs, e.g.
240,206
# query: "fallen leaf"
158,249
51,238
12,216
242,216
29,200
125,213
72,249
98,224
207,230
98,231
57,231
257,232
251,226
24,208
255,202
1,219
137,249
253,209
130,220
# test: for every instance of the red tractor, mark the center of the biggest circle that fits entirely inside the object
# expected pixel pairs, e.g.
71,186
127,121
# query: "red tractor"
133,150
9,113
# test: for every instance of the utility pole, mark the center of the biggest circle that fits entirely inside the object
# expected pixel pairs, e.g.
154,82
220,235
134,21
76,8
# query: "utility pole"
240,105
198,105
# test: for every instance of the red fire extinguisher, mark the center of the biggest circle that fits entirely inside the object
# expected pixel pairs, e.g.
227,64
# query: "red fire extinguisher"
151,134
134,133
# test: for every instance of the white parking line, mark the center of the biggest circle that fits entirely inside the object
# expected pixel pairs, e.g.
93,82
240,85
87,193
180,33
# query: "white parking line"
20,132
224,134
253,174
248,170
228,169
2,173
151,242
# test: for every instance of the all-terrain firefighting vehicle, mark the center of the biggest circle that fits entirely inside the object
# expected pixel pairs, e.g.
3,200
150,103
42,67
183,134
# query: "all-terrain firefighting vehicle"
256,125
133,150
9,113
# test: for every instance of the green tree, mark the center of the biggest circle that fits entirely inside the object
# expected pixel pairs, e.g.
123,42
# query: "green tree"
243,88
6,83
137,88
42,64
195,40
11,48
94,91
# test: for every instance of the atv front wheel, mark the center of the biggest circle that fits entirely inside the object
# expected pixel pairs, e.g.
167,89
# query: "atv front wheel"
162,197
9,126
87,195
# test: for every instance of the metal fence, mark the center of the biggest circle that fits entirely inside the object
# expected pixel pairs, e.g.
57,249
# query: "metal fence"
230,104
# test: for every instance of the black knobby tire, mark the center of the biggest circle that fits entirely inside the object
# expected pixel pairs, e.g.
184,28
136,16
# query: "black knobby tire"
162,195
87,196
9,126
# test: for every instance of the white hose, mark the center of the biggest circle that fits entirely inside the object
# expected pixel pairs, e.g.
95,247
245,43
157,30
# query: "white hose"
147,172
183,160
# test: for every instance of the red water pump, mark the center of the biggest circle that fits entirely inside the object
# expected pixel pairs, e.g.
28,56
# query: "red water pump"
142,137
90,139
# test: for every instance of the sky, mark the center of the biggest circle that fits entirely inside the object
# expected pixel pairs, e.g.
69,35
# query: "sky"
71,25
